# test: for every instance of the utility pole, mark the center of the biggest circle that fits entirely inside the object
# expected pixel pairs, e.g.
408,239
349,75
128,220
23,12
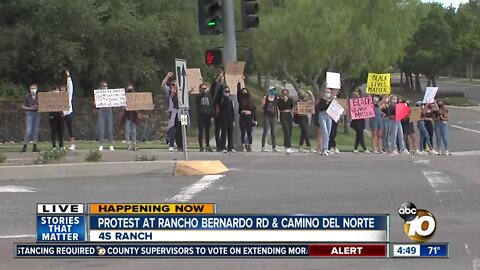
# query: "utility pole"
230,54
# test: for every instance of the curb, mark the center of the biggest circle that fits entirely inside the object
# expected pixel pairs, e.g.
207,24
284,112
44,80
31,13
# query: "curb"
469,108
199,167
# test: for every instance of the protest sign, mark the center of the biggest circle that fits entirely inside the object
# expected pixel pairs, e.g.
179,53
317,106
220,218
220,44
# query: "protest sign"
361,108
194,79
110,98
306,107
415,114
234,74
53,102
343,102
333,80
335,110
378,84
401,111
139,101
430,94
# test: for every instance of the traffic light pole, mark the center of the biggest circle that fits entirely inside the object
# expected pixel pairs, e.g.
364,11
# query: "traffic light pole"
230,54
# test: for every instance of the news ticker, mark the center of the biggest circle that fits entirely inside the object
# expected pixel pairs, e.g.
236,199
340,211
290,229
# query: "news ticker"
261,250
164,230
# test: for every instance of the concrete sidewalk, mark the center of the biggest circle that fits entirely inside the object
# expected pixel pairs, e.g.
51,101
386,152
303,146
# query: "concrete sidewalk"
469,108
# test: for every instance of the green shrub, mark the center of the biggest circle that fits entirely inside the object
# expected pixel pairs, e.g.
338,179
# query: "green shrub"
3,158
50,156
145,158
10,90
93,156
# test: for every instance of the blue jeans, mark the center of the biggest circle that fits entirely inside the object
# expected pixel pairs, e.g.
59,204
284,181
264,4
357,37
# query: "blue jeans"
130,131
32,123
325,122
385,133
395,130
441,133
105,119
424,137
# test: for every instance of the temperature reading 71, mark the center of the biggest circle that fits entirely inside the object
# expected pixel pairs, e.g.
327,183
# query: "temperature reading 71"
433,250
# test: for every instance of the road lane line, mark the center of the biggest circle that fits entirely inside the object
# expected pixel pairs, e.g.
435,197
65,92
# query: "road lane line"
16,189
442,184
16,236
189,192
476,264
466,129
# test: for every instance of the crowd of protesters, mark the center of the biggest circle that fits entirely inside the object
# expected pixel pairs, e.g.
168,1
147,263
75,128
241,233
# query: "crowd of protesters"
215,104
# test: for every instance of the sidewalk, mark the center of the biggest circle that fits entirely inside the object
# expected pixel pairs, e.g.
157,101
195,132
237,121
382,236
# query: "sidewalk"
469,108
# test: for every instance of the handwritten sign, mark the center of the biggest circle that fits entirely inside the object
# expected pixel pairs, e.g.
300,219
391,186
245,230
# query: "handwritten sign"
378,84
53,102
335,110
343,102
430,94
361,108
401,111
333,80
105,98
139,101
194,79
234,74
415,114
306,107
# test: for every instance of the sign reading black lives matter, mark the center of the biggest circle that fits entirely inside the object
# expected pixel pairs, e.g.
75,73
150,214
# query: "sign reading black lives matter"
105,98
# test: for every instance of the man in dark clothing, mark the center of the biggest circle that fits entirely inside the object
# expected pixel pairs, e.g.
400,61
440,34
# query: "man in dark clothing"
204,116
226,120
217,93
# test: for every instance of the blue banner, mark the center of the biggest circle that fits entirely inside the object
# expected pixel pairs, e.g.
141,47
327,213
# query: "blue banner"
60,228
239,222
434,250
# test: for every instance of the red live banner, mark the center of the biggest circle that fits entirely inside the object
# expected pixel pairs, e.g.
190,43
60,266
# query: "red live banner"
347,250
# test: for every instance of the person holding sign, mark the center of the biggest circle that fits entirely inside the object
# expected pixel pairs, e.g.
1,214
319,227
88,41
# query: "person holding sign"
409,132
441,128
32,118
359,126
428,119
324,122
285,106
424,137
302,120
376,125
396,131
246,109
105,120
270,113
332,143
174,128
67,115
55,120
130,121
205,113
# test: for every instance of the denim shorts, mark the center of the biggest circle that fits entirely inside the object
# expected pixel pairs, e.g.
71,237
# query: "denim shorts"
375,123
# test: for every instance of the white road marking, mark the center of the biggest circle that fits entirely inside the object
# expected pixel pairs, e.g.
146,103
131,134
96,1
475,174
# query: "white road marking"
441,183
467,249
16,189
467,153
477,122
16,236
466,129
189,192
422,161
476,264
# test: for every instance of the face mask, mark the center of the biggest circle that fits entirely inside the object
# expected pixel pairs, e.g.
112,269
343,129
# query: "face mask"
327,95
394,101
130,90
375,99
272,93
226,94
33,91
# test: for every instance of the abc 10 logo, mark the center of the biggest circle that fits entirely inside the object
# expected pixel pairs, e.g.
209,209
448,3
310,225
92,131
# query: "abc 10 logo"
418,224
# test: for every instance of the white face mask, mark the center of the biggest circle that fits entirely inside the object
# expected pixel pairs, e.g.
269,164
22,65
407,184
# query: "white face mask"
375,99
33,91
327,95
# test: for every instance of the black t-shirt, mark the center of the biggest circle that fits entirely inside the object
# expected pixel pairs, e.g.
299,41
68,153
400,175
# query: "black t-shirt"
322,105
205,104
271,107
391,110
285,105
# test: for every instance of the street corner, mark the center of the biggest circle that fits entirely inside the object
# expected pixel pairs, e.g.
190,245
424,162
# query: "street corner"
199,167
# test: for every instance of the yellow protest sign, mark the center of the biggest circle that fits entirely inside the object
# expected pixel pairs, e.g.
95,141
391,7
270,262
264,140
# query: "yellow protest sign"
378,84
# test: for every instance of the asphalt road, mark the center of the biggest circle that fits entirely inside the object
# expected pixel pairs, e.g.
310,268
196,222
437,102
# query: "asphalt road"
277,183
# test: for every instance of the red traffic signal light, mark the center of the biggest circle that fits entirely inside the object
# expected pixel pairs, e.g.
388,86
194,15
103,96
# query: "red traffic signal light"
213,57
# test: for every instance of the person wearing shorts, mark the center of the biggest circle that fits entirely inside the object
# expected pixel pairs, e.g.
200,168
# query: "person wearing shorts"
376,126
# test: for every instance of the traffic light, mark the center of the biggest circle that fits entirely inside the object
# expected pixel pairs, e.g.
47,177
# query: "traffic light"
250,14
213,57
209,17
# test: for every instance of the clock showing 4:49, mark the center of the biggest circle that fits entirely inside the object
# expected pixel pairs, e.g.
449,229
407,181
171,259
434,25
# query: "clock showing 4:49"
406,250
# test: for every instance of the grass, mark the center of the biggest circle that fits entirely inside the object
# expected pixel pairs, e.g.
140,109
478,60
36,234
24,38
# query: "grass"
81,145
458,101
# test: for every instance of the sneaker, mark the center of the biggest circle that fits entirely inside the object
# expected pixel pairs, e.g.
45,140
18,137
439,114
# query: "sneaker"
209,149
406,152
313,150
72,147
376,152
63,148
264,150
35,149
225,151
100,148
337,151
448,153
201,149
433,152
418,152
274,149
325,153
170,149
134,148
367,151
300,150
111,148
439,152
129,147
233,151
356,151
24,148
394,152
